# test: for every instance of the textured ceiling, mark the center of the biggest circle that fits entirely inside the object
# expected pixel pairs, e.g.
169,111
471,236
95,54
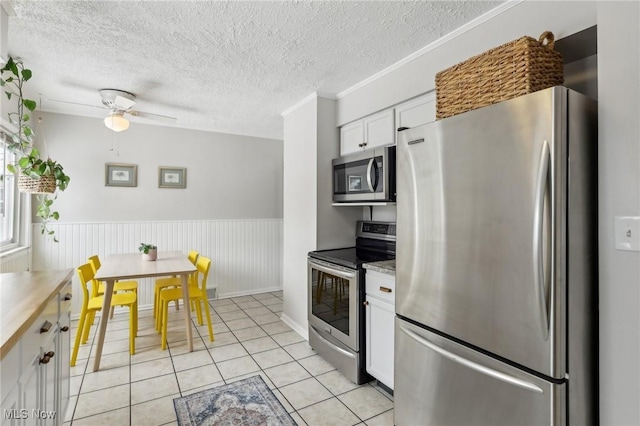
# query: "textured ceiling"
225,66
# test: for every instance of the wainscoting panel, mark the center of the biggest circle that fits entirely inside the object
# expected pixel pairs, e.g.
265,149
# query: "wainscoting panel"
15,262
246,254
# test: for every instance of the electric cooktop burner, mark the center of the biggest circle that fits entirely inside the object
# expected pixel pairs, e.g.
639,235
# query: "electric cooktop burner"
375,241
350,257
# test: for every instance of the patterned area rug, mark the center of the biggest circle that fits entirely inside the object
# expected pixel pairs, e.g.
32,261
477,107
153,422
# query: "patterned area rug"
245,402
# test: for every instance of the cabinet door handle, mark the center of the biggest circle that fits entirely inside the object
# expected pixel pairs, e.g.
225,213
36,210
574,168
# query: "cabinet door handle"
385,289
65,328
45,327
68,296
365,303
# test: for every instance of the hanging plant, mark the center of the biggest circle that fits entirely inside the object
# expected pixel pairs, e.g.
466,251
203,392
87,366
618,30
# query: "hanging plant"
36,175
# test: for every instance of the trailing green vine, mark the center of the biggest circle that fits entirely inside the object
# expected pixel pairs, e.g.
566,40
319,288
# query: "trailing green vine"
13,76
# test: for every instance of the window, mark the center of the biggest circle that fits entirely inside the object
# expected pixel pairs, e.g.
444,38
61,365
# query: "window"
9,200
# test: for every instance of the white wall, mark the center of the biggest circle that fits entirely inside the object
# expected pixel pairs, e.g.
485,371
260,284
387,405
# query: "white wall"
231,209
310,222
619,195
228,176
418,76
336,225
299,210
619,158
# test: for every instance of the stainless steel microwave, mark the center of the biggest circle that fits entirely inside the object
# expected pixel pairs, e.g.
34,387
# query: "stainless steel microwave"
368,176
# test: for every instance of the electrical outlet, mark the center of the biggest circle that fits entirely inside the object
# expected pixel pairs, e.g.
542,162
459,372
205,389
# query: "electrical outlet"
627,231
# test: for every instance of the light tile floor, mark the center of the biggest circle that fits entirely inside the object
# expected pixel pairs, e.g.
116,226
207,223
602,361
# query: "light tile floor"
250,339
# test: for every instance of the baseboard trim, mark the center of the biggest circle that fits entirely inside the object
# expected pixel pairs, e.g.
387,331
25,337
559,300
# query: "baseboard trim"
303,331
248,292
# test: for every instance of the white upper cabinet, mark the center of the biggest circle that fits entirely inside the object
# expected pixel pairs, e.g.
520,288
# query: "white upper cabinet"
370,132
379,129
416,112
352,137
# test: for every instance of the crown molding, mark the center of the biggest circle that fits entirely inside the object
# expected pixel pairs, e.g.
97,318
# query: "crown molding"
431,46
311,96
6,5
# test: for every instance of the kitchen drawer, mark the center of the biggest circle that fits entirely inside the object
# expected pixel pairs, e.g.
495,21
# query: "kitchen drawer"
37,334
65,297
381,286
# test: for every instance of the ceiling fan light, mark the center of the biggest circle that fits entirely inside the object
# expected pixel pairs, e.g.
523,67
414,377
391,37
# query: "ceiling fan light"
116,122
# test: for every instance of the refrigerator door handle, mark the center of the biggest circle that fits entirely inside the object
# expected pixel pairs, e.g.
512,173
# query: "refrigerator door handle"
472,365
538,229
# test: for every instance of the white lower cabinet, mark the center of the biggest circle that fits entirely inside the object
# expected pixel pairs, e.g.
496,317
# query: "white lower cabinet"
37,370
9,387
11,407
30,391
48,382
63,372
380,314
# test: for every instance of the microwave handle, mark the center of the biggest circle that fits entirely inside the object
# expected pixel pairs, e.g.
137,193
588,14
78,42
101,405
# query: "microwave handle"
374,185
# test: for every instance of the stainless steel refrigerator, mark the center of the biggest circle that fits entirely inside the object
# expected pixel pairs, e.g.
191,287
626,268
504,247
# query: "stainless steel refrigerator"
496,265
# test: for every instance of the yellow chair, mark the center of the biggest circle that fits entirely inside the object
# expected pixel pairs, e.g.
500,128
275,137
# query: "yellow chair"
91,305
166,282
337,285
98,290
99,286
197,293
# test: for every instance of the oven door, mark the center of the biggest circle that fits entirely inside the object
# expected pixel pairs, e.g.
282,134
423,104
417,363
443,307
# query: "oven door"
333,301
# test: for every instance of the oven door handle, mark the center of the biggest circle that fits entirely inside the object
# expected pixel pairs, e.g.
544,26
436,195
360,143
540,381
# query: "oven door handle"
328,343
336,270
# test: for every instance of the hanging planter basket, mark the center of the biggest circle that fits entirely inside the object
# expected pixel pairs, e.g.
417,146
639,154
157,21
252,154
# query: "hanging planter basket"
43,185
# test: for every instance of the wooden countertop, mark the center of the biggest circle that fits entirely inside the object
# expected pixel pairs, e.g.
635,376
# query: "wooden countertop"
23,297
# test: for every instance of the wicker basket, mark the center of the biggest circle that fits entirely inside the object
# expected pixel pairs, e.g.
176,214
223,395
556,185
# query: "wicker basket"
516,68
44,185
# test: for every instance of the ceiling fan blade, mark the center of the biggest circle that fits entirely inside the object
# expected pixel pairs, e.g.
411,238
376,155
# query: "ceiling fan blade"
152,116
76,103
124,103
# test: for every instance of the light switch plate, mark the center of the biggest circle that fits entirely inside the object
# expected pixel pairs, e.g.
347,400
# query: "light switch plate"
627,231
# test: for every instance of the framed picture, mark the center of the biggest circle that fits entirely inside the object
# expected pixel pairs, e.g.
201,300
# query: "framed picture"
116,174
172,177
355,183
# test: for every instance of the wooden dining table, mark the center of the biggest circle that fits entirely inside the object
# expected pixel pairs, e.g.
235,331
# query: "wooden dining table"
130,266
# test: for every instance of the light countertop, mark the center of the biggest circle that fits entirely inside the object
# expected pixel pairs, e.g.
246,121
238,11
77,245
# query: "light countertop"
383,266
23,297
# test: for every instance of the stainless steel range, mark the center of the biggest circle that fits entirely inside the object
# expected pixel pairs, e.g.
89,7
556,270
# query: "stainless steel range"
336,284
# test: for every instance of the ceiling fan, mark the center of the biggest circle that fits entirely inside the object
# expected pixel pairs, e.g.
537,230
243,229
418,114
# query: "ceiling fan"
120,103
